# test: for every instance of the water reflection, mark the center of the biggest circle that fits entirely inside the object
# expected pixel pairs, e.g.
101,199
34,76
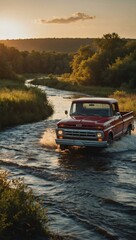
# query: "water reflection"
81,159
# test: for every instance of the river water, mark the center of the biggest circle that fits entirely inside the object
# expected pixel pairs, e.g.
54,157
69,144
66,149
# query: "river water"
88,195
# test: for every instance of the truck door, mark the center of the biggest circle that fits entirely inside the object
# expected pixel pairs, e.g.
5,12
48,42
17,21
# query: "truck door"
117,122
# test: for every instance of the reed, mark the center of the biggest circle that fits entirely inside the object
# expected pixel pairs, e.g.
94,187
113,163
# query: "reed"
127,101
22,105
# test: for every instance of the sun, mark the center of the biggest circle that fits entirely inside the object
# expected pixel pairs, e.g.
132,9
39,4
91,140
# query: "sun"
10,29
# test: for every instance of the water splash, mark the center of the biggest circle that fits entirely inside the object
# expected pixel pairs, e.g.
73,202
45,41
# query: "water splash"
126,143
48,139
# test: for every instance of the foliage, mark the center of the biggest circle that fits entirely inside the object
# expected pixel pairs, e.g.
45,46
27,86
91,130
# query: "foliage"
127,102
23,106
78,62
21,213
112,64
13,62
60,83
109,61
122,72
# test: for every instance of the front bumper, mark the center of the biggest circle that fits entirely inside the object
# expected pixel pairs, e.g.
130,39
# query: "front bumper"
82,143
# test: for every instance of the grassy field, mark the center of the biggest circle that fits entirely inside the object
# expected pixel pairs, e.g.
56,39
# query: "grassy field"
20,105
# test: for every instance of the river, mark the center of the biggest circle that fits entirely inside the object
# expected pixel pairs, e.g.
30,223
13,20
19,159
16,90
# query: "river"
88,195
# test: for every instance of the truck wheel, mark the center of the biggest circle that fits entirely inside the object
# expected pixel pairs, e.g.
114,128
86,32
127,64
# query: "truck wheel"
129,130
110,139
62,147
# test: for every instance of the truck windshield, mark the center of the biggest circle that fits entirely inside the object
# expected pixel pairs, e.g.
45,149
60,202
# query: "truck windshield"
90,109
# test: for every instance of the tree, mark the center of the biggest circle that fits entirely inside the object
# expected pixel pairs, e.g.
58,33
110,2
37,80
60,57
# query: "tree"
90,67
122,72
6,70
15,59
78,62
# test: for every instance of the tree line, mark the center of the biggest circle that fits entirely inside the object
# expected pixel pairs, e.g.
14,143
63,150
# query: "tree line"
110,61
13,61
112,64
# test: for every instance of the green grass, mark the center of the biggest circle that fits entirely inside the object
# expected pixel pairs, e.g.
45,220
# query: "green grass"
21,105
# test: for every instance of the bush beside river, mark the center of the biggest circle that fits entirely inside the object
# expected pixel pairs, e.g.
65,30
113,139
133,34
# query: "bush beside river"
21,105
127,101
22,215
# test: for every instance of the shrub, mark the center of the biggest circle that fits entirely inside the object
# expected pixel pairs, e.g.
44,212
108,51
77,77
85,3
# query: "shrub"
23,106
21,213
127,102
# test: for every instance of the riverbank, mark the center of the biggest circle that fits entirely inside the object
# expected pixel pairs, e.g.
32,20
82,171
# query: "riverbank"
22,215
67,85
127,99
21,105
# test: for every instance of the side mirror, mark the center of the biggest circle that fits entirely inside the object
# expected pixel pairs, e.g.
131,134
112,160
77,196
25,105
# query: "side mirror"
118,114
66,112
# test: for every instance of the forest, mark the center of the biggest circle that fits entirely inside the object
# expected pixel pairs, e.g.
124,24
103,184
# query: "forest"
112,62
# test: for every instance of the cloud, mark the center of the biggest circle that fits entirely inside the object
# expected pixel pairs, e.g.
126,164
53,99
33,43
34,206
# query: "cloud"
74,18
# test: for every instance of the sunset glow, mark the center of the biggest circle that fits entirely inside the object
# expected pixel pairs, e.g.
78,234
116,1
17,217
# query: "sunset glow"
10,29
73,18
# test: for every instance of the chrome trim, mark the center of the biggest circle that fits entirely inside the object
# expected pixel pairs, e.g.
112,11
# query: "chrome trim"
106,129
82,143
124,120
80,133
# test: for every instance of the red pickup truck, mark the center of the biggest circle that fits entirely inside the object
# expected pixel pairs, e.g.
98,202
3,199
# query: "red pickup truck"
93,122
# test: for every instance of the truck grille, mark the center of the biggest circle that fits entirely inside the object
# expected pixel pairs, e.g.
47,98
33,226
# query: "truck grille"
80,134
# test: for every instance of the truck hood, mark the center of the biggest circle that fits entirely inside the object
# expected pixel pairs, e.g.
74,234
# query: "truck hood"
84,122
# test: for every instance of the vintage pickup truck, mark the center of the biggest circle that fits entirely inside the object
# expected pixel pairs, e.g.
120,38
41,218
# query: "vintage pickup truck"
93,122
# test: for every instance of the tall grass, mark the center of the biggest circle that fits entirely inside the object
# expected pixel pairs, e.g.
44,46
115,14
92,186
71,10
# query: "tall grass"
127,102
22,105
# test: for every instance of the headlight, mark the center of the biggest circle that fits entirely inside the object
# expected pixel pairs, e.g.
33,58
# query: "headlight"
99,135
60,132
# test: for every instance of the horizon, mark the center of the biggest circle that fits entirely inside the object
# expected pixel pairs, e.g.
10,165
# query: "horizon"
72,19
39,38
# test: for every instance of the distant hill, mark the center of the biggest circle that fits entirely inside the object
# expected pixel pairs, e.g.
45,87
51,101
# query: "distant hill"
49,44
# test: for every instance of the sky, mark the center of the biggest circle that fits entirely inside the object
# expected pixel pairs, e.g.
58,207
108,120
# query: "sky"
20,19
